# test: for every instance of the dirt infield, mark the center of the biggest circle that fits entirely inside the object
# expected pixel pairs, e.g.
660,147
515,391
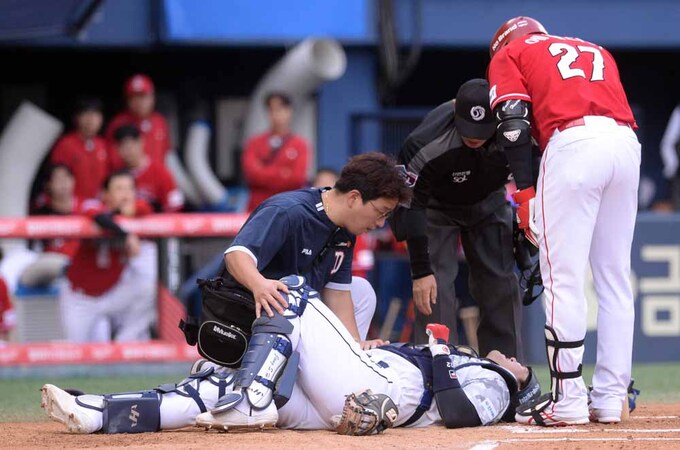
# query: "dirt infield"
651,426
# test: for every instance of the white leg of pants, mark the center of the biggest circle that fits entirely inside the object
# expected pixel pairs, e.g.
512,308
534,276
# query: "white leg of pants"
80,316
582,171
610,262
364,299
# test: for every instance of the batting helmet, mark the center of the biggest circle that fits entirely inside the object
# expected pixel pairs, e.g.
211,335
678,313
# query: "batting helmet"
513,29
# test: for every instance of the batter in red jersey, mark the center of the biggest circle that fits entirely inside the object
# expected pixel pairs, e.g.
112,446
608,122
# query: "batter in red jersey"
141,101
103,295
568,94
83,151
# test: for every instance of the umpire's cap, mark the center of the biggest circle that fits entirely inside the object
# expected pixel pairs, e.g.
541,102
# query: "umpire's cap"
473,117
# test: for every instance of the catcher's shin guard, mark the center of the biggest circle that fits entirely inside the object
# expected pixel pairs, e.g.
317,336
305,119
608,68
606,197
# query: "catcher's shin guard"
539,411
269,367
552,348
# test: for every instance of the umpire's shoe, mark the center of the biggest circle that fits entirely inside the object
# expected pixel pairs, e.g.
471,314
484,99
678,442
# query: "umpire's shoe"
241,416
542,413
62,407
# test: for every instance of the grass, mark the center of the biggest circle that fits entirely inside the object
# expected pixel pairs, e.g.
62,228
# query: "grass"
20,399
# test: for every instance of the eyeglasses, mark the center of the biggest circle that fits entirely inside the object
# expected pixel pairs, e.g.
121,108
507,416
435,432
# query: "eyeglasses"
383,215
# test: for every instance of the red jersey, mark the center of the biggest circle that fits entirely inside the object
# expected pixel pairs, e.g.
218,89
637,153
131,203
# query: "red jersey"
563,78
155,185
65,246
269,171
7,315
98,264
86,158
155,135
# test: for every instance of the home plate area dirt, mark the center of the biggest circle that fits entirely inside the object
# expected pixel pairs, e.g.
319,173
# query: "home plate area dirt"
650,426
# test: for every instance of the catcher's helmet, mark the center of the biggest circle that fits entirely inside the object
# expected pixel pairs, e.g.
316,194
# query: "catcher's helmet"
513,29
520,396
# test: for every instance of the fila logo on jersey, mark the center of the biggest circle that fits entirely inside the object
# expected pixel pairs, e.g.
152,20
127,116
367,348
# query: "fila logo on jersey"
512,135
134,415
224,333
307,251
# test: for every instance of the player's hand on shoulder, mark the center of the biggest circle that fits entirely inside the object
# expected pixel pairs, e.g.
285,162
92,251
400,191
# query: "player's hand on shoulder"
267,297
425,293
132,244
373,343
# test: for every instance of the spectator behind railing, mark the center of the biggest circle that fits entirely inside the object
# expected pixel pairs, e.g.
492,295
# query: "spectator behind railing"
104,296
154,182
141,103
7,314
83,151
275,161
58,198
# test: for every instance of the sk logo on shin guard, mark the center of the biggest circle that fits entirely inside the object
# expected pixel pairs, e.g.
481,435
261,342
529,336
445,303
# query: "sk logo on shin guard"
134,415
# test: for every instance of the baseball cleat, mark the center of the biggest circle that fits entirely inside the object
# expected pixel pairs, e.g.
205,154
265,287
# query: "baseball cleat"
236,419
62,407
605,415
542,413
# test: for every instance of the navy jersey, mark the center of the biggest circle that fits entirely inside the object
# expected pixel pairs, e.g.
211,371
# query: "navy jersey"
290,233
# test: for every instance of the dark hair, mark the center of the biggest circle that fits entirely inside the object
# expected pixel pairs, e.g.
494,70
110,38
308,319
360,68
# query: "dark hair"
117,174
374,175
49,172
85,104
126,131
285,98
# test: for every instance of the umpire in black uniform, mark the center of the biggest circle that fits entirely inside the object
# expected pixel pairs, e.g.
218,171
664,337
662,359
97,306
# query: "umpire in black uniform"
459,192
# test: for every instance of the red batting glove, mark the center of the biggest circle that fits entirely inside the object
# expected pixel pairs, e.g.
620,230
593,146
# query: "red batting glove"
438,337
525,213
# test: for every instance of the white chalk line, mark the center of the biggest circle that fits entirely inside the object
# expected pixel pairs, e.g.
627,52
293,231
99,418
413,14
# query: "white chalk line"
488,445
566,430
653,417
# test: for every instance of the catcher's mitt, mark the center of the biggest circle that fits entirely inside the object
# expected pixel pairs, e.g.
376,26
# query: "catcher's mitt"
366,413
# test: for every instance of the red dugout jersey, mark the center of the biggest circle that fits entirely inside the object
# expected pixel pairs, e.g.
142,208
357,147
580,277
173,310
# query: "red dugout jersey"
86,158
98,264
7,315
563,78
65,246
154,131
270,171
155,185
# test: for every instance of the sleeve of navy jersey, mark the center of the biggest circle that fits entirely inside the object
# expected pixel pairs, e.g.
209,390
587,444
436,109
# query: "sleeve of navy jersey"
341,273
263,234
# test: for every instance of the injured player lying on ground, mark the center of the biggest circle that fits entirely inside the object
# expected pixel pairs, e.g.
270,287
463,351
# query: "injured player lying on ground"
303,370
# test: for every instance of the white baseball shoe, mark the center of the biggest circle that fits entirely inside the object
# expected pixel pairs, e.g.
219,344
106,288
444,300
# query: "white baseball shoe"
605,415
543,413
62,407
242,416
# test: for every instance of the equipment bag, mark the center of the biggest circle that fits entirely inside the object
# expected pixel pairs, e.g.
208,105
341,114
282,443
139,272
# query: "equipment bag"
222,332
